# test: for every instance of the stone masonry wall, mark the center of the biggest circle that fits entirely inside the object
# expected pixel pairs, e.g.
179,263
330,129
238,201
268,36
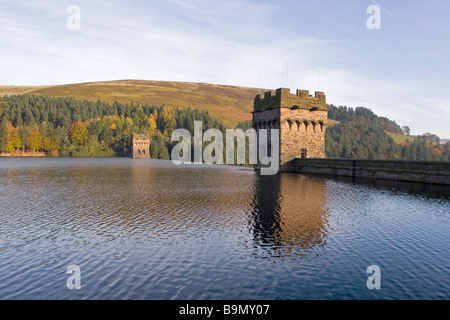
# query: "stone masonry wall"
302,129
413,171
301,118
141,146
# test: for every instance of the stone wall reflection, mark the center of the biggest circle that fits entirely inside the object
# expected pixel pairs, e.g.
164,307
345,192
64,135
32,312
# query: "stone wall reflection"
289,216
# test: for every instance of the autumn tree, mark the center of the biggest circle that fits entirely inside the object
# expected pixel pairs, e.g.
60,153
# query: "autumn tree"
50,142
79,133
152,127
167,121
34,140
3,133
14,140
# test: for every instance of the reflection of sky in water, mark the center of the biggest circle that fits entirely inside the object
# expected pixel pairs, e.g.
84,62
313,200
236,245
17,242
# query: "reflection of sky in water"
149,230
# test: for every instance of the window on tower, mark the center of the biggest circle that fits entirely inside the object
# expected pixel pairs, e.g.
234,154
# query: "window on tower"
303,153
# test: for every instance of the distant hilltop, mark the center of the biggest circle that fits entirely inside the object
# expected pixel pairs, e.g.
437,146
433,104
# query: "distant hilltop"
352,133
230,104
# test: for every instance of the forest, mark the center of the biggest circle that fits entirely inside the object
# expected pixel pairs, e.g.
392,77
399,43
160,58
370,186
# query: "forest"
68,127
360,134
64,126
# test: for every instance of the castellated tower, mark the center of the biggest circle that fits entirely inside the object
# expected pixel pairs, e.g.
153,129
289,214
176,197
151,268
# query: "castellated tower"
301,118
141,146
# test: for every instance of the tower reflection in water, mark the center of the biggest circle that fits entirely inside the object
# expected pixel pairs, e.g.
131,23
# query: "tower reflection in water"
289,216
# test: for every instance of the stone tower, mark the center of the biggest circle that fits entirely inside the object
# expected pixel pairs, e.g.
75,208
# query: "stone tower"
301,118
141,146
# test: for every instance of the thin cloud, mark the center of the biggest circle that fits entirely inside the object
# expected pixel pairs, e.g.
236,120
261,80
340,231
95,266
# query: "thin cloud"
384,9
228,42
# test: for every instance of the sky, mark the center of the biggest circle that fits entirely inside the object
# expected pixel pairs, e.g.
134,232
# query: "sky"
399,70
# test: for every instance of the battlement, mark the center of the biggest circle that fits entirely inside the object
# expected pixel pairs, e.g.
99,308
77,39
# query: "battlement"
283,98
300,118
140,146
140,137
284,92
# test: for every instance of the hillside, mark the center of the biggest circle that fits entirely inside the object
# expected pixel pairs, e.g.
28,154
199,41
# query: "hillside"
352,133
14,90
72,127
360,134
230,104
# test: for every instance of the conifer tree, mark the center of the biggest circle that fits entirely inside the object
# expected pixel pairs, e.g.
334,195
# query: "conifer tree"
3,133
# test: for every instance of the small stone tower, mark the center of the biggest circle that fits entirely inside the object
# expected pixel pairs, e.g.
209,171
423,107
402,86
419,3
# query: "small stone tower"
141,146
301,118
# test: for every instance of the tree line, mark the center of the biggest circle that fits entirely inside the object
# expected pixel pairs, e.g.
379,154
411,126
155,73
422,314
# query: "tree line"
360,134
65,126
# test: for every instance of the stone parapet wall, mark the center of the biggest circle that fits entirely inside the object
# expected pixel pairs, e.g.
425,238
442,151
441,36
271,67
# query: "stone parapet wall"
414,171
282,98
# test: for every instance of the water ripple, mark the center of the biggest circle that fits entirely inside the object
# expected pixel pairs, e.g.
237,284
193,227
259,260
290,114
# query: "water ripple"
150,230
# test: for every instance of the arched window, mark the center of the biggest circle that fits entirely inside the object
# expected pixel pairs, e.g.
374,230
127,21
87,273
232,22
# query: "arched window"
306,125
290,123
321,126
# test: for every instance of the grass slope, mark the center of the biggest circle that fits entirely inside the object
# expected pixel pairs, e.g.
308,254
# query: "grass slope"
14,90
230,104
400,138
332,122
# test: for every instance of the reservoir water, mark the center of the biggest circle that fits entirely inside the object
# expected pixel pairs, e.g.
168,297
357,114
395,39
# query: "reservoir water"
147,229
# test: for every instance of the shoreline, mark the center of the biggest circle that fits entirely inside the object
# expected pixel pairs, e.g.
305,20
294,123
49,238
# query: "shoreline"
22,154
